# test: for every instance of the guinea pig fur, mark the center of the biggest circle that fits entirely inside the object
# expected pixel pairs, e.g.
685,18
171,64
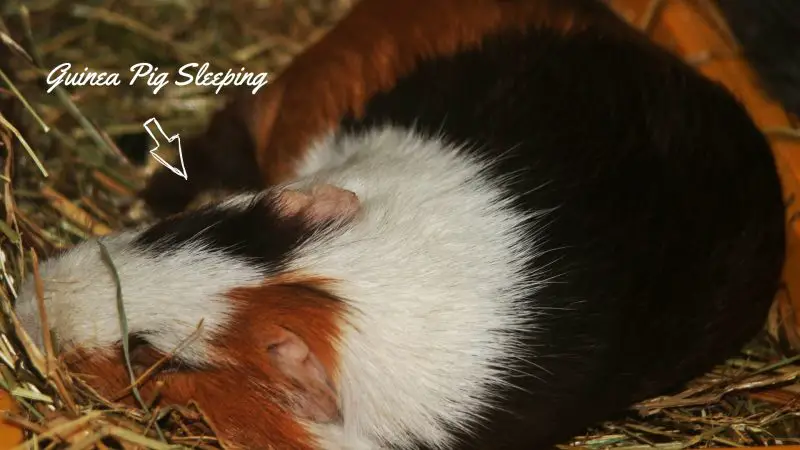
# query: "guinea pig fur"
511,243
255,141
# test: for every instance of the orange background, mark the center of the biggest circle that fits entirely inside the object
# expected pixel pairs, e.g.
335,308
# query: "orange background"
10,435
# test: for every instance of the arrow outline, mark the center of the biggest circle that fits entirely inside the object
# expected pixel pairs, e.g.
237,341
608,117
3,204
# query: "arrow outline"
170,139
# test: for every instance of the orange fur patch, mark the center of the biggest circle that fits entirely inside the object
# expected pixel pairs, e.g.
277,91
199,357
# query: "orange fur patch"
245,400
297,304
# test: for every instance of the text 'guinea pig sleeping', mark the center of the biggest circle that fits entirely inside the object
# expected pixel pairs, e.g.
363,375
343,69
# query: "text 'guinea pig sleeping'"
188,74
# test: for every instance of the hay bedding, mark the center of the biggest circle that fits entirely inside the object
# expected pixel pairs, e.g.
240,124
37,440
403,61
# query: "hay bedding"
752,400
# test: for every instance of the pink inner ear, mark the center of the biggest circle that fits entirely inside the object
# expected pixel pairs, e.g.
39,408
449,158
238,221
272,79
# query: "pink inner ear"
324,202
312,396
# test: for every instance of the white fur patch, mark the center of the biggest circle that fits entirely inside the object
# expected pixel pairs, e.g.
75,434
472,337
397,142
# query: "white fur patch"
165,296
433,273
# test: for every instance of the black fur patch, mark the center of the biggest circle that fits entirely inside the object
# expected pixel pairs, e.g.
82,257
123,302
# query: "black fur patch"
219,158
255,232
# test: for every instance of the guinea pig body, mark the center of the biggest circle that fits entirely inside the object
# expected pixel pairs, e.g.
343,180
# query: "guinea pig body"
512,243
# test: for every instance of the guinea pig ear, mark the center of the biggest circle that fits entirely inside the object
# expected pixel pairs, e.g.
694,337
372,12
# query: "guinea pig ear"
322,203
312,396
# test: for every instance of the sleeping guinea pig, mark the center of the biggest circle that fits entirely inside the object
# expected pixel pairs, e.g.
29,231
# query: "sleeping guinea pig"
529,228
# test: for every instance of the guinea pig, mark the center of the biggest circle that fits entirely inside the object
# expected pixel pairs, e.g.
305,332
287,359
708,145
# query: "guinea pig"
521,231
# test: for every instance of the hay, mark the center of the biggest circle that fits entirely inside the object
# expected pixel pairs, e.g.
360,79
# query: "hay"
73,181
66,176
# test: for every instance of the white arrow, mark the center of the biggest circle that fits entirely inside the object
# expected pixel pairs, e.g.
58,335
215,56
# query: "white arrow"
180,172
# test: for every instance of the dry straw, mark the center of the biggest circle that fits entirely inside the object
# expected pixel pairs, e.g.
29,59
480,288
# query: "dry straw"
64,179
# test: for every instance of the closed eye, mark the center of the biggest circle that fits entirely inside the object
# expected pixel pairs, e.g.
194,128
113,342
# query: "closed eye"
174,365
145,358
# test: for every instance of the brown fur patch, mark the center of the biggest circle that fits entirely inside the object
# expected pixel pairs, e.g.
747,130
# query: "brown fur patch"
296,303
246,400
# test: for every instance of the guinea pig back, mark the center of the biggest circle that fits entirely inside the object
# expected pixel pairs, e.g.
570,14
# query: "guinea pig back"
255,140
504,244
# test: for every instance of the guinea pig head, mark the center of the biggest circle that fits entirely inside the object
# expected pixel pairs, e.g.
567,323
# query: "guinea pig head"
216,313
